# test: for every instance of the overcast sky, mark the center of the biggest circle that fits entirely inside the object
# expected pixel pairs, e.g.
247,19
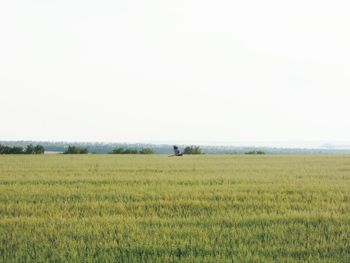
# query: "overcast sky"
141,71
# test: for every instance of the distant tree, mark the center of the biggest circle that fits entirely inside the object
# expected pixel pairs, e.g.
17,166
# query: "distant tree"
129,151
83,151
6,150
17,150
120,150
193,150
146,151
3,149
71,150
76,150
255,152
29,149
39,149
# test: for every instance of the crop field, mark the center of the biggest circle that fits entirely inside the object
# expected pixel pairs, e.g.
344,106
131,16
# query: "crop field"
118,208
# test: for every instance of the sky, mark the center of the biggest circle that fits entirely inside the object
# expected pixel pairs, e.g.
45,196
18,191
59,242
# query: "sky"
185,70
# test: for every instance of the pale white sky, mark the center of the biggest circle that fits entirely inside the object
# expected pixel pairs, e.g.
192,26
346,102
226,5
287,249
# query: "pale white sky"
175,70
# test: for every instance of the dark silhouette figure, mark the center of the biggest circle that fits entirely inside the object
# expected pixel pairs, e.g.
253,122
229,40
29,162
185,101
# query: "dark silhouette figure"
176,151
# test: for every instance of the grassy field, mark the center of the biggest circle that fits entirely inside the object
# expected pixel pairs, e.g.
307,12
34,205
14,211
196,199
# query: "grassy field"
108,208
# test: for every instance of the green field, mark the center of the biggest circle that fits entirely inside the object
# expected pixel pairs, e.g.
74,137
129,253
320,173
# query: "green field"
108,208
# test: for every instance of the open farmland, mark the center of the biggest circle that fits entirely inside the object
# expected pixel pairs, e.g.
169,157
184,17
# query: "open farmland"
108,208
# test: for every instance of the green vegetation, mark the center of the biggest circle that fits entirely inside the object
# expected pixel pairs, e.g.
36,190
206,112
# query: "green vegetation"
255,152
146,151
76,150
192,150
121,150
151,208
30,149
168,149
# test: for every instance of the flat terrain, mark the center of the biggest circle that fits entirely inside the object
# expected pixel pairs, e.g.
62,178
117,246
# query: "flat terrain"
110,208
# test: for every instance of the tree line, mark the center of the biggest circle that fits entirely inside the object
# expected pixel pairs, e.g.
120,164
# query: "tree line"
188,150
117,150
193,149
256,152
39,149
121,150
76,150
29,149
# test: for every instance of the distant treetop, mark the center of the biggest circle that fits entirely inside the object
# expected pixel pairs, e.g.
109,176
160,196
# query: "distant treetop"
29,149
76,150
121,150
255,152
192,150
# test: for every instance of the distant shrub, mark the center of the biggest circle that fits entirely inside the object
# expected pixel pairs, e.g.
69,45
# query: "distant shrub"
120,150
76,150
131,151
192,150
4,149
39,149
117,150
255,152
16,150
30,149
146,151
